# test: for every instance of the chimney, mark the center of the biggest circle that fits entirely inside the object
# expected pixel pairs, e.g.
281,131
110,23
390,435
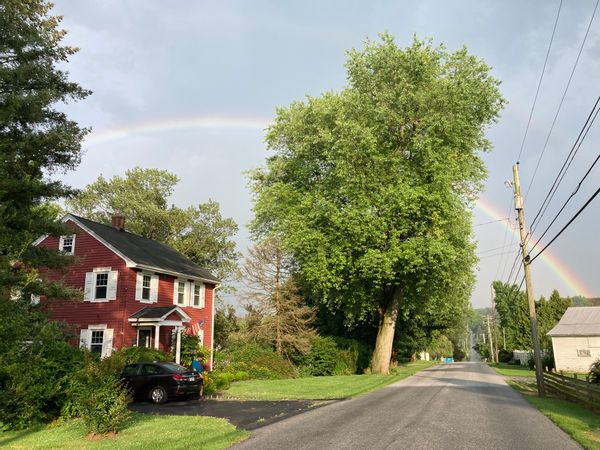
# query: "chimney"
118,221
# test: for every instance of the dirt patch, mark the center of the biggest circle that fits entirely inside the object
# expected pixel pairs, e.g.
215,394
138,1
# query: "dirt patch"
100,437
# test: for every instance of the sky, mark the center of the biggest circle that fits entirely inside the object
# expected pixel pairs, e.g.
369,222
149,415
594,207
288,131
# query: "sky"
190,87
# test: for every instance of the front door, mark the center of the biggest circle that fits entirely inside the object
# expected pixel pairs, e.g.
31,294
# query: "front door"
145,337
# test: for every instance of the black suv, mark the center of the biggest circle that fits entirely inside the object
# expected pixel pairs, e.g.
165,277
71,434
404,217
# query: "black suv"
159,381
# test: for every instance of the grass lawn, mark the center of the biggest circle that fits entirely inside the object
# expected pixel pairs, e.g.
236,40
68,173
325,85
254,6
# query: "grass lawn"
582,425
145,432
511,370
317,388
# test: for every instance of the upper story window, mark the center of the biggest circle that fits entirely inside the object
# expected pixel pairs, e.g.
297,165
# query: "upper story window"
196,295
180,292
146,287
66,244
101,285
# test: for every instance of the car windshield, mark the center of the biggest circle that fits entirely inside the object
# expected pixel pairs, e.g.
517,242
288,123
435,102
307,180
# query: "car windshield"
175,367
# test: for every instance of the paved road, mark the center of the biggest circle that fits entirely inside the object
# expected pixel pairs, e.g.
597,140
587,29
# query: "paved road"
450,406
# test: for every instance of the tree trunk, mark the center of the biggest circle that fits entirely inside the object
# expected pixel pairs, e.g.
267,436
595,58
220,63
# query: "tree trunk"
385,334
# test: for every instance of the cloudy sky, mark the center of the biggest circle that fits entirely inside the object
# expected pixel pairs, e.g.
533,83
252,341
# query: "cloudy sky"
190,86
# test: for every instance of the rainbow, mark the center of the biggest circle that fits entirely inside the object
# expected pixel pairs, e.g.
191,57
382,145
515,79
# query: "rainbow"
260,124
175,124
559,268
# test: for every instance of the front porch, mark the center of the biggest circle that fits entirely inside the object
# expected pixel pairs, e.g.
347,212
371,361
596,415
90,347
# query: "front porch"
150,321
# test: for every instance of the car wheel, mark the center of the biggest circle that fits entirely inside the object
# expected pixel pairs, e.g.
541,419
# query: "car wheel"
158,395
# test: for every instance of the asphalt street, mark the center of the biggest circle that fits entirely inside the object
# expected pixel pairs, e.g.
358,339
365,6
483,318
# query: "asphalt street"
450,406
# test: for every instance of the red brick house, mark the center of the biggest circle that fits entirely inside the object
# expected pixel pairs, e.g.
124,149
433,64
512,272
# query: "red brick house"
136,291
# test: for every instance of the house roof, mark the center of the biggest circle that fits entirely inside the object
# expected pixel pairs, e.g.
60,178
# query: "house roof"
578,321
159,313
143,252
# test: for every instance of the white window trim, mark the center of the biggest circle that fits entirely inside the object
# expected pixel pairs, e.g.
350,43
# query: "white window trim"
85,338
61,243
111,285
202,300
139,284
186,291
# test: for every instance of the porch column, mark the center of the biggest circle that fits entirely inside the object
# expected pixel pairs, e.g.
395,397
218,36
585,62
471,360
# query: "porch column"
156,336
178,347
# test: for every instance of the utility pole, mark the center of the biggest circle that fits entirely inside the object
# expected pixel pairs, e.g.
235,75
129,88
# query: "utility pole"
503,339
488,320
494,324
539,375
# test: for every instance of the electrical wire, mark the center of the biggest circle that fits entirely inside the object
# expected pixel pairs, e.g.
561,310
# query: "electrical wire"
565,203
567,163
585,205
562,98
540,81
491,221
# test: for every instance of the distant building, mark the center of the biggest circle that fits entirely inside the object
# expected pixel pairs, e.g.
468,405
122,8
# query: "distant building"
576,339
137,292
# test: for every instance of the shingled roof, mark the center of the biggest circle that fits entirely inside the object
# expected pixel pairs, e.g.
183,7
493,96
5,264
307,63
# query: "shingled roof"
143,252
578,321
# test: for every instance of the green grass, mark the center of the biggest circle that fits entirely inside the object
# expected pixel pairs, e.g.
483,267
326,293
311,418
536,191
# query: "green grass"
145,432
320,388
582,425
511,370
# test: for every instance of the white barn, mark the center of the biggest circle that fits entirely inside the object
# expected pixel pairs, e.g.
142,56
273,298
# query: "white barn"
576,339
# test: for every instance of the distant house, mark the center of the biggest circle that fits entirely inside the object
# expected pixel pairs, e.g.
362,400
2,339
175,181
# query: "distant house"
137,292
576,339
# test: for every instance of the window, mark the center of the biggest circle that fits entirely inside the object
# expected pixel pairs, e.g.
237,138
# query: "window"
585,353
67,244
101,285
146,287
180,292
196,295
148,369
146,279
97,341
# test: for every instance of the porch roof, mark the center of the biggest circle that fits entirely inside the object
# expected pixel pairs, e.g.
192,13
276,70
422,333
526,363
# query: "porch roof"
154,314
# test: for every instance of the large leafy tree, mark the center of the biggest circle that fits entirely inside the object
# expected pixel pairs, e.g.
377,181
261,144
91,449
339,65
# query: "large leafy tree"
142,196
371,187
37,139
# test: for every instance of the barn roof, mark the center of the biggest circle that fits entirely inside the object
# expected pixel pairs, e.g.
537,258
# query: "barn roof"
142,252
578,321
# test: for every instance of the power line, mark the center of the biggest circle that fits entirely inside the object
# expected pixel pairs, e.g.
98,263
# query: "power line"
567,163
491,221
539,82
562,98
494,249
566,226
566,203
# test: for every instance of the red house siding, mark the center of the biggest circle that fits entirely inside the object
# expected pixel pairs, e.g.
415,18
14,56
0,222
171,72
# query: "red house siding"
90,254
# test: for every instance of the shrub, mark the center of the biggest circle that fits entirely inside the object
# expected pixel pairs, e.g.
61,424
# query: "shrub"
360,354
322,359
34,376
594,374
255,362
98,397
548,362
129,355
505,356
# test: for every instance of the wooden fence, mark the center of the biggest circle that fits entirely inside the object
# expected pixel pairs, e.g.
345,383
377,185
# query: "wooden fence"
577,391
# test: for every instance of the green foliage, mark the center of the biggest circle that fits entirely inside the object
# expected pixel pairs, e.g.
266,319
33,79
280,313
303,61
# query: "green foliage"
98,397
36,362
226,323
255,361
129,355
142,196
356,355
441,347
322,360
36,139
504,355
191,348
370,188
594,374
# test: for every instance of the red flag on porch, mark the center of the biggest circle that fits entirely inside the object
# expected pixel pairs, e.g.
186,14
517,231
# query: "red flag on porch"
194,330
